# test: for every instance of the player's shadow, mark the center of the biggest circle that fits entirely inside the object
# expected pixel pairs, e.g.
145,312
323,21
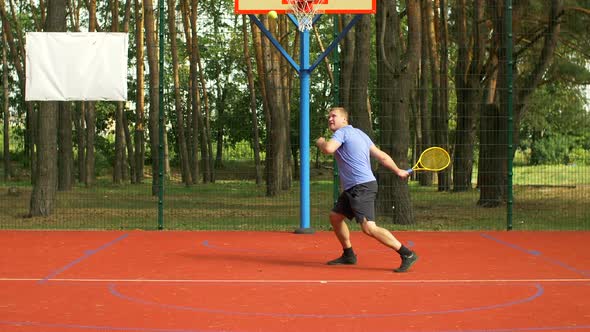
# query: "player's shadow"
236,258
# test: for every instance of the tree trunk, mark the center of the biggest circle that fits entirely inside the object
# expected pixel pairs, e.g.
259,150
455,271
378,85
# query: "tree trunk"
154,82
76,120
278,155
91,114
287,73
44,191
252,89
130,154
182,146
128,166
439,112
222,94
359,110
65,148
119,168
90,136
31,138
17,53
257,41
467,103
192,44
119,163
204,121
201,129
395,82
6,114
260,69
139,134
346,65
80,122
424,178
491,180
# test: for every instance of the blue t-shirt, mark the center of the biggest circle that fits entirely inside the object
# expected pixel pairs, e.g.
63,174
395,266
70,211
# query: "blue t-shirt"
353,156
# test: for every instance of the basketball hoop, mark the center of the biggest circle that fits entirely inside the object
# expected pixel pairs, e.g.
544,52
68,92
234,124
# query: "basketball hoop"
305,11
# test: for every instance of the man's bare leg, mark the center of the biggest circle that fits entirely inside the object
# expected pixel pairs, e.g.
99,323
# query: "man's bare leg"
381,234
343,234
340,229
384,236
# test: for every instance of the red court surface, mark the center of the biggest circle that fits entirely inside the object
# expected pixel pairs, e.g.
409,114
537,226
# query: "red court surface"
271,281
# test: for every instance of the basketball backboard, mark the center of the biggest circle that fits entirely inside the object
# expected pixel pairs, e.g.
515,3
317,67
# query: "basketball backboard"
328,6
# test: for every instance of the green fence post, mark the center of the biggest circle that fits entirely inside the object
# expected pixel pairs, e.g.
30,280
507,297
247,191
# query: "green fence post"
509,81
161,118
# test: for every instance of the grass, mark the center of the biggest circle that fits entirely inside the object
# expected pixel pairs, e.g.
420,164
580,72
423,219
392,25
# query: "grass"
545,198
552,175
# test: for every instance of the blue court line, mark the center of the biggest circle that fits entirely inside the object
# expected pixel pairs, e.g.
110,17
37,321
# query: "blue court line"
537,254
113,290
87,254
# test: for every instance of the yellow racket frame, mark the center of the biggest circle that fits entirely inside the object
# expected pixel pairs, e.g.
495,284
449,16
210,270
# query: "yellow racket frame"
433,159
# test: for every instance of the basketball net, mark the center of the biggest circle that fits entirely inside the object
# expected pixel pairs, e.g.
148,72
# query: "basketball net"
305,11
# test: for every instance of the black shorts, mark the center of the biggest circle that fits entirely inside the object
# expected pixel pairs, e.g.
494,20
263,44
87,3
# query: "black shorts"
358,202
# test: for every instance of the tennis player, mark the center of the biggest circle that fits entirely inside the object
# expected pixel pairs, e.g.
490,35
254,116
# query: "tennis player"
352,149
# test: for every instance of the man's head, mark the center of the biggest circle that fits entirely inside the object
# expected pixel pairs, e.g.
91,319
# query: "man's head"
337,118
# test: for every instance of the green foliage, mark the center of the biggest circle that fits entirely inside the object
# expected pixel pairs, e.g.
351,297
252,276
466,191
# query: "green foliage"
104,157
579,156
569,71
556,125
238,151
550,150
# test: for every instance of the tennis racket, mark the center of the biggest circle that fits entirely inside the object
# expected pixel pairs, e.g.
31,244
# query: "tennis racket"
432,159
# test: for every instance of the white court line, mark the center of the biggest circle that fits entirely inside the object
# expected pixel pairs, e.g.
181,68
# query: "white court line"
296,281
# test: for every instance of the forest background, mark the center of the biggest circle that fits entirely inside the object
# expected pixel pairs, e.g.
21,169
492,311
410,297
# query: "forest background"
418,73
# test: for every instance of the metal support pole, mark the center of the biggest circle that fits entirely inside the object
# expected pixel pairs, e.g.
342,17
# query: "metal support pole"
304,132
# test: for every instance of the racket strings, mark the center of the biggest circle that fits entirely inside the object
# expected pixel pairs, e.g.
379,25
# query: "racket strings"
435,159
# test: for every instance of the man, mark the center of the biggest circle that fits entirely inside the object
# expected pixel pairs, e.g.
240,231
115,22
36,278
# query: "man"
353,150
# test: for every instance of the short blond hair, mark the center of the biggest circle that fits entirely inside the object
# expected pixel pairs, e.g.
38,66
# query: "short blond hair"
341,110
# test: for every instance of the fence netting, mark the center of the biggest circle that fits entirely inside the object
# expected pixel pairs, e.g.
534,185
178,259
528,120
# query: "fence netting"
511,112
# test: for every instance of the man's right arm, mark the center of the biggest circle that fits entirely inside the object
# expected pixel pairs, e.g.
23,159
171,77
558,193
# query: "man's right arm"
385,160
327,147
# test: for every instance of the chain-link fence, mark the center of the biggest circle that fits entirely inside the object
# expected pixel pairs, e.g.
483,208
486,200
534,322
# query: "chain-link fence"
499,88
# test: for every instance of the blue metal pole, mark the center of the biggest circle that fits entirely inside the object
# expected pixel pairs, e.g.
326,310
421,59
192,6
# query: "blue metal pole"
304,132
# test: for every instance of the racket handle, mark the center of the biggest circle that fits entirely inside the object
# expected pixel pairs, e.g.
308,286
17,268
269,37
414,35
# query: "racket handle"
410,170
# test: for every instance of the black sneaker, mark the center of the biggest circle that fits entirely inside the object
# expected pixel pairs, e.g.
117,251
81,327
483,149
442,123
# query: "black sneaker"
343,260
407,262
